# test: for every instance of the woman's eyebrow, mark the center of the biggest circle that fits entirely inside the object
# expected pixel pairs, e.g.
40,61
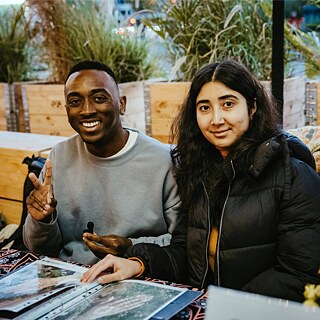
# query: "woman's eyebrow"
227,96
203,101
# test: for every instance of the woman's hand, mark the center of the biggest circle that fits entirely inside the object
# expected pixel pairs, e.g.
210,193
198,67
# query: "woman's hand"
110,269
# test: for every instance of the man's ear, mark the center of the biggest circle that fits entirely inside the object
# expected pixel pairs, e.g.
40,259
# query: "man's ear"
123,105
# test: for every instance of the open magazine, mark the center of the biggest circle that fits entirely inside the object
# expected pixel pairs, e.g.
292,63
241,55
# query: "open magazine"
51,289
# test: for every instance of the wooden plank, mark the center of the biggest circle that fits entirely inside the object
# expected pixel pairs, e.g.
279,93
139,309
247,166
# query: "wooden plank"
14,147
3,106
11,210
161,138
22,120
294,102
165,101
12,173
46,99
55,125
318,103
45,106
135,116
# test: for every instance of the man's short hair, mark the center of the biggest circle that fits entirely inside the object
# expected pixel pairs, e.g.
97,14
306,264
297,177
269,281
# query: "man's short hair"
91,65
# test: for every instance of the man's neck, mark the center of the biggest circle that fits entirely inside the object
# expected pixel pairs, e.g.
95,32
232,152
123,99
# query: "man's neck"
108,149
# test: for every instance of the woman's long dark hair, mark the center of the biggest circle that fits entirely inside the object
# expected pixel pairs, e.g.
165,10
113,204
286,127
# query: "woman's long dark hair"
195,159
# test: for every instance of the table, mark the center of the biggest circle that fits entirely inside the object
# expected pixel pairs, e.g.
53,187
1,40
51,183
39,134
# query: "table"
11,260
14,147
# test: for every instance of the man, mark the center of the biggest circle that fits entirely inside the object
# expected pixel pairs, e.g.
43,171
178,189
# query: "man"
114,178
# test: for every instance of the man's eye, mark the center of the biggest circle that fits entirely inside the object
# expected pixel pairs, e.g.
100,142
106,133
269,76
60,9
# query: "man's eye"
73,102
99,99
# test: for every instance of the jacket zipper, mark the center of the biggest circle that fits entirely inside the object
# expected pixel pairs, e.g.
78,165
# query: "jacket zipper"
221,221
208,234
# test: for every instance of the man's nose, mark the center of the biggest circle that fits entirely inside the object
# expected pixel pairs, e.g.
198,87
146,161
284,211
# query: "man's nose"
87,107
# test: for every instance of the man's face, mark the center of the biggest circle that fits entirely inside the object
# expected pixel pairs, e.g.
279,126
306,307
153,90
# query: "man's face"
93,106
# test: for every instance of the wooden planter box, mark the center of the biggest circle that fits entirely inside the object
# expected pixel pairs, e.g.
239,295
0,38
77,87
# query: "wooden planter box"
151,106
14,147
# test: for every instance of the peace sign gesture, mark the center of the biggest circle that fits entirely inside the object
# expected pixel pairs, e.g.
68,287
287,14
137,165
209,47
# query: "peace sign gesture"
40,202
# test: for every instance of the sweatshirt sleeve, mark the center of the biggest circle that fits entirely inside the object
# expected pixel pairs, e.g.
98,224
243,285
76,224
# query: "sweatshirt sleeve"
298,239
42,238
171,204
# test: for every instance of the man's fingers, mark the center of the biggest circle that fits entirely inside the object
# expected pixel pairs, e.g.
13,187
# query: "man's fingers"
35,180
94,247
93,237
48,176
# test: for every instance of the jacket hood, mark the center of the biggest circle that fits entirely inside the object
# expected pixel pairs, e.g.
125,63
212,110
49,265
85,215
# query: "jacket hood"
285,144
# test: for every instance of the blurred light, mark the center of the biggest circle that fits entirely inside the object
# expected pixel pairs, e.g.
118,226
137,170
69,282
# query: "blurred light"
6,2
132,21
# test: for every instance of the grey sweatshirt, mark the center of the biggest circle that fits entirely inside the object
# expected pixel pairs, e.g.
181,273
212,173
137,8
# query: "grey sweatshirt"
133,195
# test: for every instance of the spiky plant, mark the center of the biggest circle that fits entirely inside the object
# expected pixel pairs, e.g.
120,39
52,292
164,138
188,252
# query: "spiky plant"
76,30
198,32
14,45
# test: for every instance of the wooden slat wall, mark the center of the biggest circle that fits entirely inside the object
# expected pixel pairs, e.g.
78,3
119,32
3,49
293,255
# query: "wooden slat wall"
165,101
47,115
44,104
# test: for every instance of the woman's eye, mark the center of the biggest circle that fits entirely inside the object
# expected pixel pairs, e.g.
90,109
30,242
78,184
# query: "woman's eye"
204,108
228,104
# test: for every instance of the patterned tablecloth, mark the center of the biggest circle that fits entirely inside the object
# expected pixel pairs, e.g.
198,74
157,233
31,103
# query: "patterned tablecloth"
11,260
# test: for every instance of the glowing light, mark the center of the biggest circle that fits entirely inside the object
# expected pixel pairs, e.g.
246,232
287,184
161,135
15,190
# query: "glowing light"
132,20
6,2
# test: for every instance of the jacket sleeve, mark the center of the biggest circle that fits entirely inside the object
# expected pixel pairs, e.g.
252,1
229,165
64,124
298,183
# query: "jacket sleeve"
298,239
166,263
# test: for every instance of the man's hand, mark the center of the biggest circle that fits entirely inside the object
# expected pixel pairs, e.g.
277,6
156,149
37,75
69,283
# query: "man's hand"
111,269
103,245
40,202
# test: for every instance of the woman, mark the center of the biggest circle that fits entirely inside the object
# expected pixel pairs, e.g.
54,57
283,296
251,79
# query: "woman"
249,192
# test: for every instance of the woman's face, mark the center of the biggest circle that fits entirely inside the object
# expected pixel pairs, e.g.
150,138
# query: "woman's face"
222,115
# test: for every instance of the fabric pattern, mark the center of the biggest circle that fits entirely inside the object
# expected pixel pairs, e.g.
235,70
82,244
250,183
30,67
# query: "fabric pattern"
310,135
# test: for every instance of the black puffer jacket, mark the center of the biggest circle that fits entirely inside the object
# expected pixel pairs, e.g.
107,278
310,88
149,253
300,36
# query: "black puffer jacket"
269,236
